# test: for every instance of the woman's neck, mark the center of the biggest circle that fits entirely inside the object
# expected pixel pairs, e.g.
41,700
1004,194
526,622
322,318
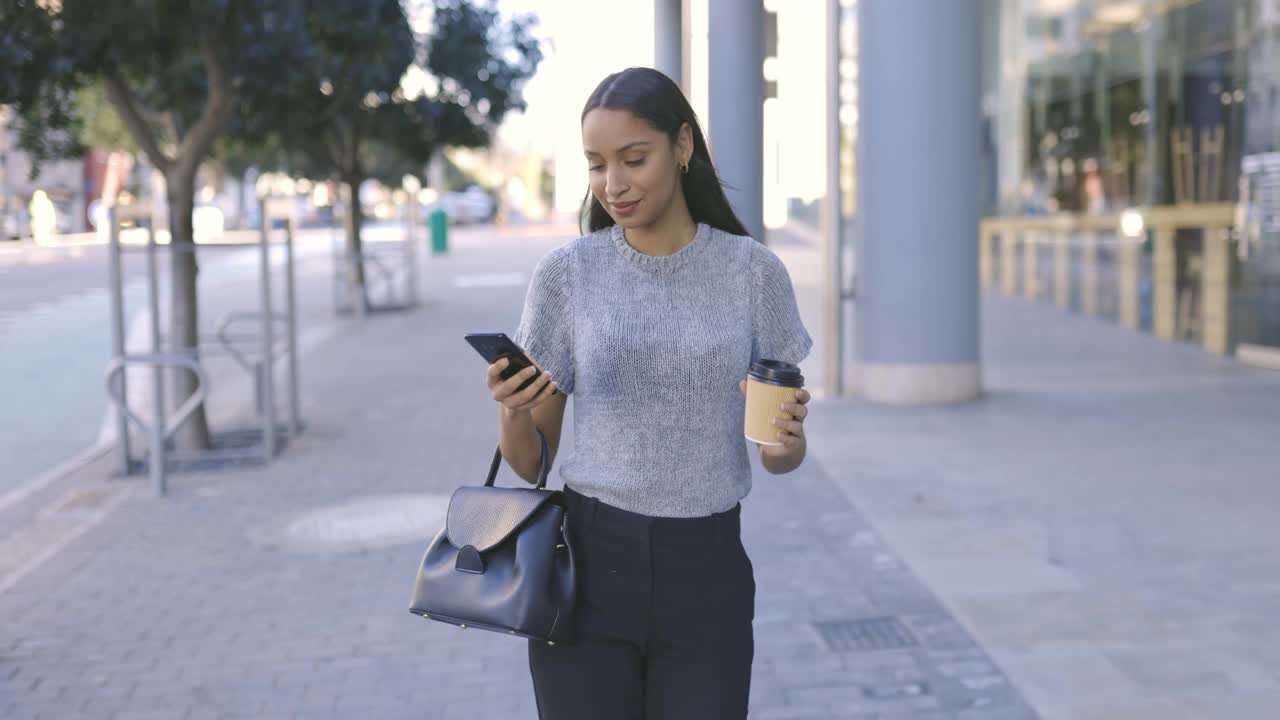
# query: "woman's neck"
667,235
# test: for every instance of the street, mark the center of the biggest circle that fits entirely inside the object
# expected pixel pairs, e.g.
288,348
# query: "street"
55,336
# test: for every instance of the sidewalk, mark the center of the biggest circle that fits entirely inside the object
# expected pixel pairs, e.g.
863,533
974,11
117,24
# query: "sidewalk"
1102,521
281,592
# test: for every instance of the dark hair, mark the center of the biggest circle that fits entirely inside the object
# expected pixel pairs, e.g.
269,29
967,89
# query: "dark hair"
655,98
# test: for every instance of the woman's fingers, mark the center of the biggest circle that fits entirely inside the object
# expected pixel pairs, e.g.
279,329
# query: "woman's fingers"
530,395
494,375
796,410
794,427
509,386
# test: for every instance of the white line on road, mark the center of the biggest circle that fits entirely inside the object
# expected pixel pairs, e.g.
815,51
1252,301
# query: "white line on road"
489,280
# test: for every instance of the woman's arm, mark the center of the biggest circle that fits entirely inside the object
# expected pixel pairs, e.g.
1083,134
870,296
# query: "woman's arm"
519,441
521,413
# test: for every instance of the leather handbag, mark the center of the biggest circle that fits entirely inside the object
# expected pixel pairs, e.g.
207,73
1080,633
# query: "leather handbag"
502,562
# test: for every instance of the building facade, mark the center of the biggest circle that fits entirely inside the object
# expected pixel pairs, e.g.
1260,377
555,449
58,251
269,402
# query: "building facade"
1117,158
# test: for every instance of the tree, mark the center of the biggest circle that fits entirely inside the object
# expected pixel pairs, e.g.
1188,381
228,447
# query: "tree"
375,100
175,72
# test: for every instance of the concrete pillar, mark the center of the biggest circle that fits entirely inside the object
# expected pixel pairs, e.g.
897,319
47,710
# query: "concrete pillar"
918,110
736,98
1127,280
1215,291
668,39
1031,265
1165,269
1010,244
1062,269
984,256
1089,273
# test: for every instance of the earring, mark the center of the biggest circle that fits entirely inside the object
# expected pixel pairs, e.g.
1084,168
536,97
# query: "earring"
684,168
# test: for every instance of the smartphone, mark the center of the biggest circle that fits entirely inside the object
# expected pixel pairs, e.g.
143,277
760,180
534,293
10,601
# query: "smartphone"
495,346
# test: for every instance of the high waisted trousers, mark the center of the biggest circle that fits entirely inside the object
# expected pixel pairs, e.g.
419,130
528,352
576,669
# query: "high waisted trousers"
663,620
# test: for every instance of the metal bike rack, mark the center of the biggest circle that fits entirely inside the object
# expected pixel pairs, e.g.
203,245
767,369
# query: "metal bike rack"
400,287
159,432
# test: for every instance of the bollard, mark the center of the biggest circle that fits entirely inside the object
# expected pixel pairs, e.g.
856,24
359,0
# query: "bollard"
439,232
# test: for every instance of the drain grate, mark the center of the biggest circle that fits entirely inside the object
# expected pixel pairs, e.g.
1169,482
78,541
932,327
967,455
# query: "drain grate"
880,633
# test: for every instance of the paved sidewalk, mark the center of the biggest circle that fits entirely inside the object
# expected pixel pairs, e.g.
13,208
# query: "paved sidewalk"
1103,520
281,592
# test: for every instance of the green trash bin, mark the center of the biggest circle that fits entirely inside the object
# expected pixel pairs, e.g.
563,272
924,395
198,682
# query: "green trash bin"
439,232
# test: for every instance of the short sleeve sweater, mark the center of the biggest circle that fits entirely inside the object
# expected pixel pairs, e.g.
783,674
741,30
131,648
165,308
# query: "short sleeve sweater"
651,349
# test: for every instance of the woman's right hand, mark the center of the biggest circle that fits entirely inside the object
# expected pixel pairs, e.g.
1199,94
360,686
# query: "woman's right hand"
504,391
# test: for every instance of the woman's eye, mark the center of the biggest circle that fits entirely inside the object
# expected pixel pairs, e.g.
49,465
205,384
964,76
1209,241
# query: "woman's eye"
635,163
595,168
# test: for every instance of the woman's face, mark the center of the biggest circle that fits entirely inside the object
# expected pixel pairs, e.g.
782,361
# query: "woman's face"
634,169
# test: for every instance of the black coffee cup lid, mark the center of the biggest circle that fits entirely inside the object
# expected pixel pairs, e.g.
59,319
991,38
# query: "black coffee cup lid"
777,372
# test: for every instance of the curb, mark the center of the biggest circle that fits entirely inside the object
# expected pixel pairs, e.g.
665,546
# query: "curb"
31,486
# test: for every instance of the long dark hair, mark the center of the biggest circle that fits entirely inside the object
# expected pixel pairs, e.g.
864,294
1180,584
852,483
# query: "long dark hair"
655,98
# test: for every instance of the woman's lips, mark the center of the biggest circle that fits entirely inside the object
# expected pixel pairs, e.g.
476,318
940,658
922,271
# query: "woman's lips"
624,209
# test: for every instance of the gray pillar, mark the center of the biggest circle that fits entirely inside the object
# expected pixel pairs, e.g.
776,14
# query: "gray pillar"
736,100
918,109
668,38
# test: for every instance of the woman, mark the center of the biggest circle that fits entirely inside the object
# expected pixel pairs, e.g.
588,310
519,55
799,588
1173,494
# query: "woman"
649,322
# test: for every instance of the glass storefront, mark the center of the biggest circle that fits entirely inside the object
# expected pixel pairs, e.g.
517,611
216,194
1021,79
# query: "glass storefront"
1096,106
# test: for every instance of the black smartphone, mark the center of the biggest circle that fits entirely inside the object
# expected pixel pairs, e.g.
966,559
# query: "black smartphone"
495,346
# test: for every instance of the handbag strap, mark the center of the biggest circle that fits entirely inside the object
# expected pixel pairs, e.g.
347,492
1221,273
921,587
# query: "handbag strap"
544,464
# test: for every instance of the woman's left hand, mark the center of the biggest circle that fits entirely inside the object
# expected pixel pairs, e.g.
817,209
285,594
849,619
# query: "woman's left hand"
790,432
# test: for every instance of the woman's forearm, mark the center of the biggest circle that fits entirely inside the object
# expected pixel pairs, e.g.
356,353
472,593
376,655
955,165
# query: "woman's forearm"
519,443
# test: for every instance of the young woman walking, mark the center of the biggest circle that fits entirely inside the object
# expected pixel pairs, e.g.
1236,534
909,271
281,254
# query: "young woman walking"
651,322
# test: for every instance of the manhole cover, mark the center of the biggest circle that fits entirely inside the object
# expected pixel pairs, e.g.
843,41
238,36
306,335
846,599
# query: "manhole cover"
367,522
882,633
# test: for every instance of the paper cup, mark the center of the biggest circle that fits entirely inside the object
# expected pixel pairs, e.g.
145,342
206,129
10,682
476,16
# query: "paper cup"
770,383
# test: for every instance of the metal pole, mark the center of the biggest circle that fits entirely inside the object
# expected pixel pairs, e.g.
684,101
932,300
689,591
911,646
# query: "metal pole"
412,249
268,342
736,99
832,227
157,469
6,196
116,286
291,307
668,38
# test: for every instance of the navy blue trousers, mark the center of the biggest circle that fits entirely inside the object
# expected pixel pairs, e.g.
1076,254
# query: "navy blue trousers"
663,620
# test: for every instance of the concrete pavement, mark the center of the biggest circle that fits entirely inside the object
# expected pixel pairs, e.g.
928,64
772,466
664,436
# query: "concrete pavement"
1102,521
281,591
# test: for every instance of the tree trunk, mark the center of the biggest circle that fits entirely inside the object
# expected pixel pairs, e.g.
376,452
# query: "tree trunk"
355,248
184,322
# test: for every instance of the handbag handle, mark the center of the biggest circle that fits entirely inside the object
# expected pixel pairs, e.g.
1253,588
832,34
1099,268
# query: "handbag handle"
544,464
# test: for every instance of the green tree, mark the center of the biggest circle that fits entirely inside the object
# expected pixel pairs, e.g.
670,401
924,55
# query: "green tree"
175,72
353,112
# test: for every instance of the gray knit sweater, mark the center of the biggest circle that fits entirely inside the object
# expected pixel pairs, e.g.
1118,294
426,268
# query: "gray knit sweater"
651,349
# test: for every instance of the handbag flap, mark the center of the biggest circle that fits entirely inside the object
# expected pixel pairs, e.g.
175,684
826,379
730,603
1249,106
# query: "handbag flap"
483,517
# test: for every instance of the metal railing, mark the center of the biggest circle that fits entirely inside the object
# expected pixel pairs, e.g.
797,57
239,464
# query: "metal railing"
1094,258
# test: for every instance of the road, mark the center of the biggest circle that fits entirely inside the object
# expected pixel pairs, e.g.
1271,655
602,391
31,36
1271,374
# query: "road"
55,334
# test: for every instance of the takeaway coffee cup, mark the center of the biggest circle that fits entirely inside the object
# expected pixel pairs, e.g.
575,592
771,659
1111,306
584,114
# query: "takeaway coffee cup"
769,384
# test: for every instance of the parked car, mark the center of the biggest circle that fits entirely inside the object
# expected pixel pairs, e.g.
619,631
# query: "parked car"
15,226
473,205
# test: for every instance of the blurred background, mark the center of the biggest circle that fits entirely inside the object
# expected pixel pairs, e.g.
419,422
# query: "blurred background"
1037,244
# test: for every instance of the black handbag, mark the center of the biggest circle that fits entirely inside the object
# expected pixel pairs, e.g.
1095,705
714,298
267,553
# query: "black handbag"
503,561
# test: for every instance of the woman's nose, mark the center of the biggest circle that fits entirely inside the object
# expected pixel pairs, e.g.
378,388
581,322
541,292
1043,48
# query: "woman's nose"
614,183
